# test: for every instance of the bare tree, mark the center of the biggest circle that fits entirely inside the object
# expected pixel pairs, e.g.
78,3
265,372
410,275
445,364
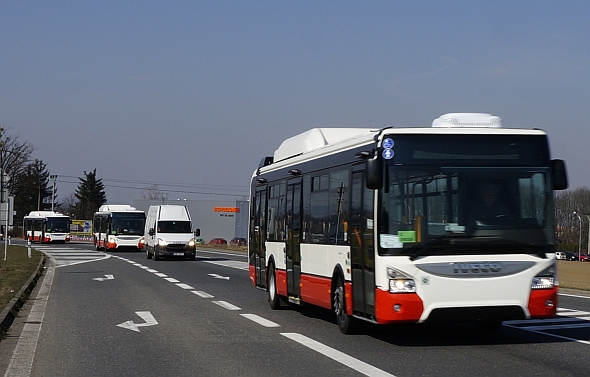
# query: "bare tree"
15,156
68,204
151,193
567,223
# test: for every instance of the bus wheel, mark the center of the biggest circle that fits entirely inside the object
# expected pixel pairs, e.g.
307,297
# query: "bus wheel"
344,321
271,287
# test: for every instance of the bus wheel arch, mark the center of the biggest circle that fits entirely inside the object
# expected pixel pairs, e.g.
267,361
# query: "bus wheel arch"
271,286
346,323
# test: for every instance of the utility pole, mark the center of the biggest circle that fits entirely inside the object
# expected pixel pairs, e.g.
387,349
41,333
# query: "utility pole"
53,178
579,237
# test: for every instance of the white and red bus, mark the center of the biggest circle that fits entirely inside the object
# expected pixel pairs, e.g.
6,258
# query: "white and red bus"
46,226
377,225
117,227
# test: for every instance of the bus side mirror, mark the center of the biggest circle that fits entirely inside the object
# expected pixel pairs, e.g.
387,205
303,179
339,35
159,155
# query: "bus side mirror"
374,173
151,232
197,232
559,175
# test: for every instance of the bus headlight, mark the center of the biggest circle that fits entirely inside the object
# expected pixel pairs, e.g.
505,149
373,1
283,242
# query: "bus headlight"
400,282
545,279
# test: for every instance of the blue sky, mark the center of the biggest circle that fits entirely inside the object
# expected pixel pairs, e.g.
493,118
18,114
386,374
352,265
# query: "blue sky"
192,94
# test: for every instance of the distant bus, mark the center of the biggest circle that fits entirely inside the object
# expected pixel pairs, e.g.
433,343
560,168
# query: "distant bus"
376,225
117,227
46,226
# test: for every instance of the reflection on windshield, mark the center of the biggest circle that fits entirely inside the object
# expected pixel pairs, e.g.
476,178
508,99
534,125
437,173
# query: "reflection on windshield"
58,225
128,225
467,208
174,226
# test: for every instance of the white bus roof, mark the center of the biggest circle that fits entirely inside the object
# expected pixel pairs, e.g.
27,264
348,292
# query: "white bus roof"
321,141
43,214
116,207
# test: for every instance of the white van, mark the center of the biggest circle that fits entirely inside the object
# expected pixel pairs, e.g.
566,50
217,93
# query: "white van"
560,255
168,232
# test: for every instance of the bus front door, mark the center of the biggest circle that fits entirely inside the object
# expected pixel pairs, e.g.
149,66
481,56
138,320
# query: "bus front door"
257,242
293,247
361,248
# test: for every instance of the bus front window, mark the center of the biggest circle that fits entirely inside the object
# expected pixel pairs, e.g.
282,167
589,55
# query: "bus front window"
464,207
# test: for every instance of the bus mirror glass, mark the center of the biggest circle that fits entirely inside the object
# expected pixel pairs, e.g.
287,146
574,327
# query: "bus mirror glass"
559,175
197,232
374,173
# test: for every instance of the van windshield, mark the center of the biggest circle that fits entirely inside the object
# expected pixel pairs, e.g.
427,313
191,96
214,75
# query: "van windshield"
174,226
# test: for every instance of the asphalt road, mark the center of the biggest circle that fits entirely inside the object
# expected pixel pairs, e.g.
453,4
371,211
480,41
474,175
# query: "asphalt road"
121,314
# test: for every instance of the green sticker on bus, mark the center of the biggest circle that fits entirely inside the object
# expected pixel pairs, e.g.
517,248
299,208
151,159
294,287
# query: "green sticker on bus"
406,236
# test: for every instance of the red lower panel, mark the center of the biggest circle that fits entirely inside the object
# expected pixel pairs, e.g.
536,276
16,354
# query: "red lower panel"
411,307
281,280
252,272
317,291
538,300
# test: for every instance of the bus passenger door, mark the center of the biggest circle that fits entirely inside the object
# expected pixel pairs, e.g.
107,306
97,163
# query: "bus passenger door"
362,248
257,251
293,230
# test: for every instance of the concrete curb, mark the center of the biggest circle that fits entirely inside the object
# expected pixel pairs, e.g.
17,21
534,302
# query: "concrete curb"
11,310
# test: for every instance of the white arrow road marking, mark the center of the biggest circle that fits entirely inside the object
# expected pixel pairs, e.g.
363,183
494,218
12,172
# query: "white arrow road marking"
219,276
107,277
146,316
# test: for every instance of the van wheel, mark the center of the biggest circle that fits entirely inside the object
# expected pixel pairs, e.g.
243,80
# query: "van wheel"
147,253
156,256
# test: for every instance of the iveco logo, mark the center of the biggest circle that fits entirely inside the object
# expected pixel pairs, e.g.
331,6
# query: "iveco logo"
476,268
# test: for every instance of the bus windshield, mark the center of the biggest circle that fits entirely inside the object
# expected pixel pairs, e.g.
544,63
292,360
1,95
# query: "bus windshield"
456,207
127,224
174,226
58,224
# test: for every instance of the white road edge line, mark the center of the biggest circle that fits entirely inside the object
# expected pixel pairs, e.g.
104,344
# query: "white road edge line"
550,334
261,321
349,361
24,352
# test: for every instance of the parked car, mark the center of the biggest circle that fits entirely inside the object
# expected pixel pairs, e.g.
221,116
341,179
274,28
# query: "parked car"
585,258
218,241
199,241
570,256
238,241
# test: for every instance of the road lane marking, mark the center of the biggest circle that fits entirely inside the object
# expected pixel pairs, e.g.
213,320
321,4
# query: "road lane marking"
261,321
203,294
107,277
161,275
172,280
349,361
184,286
226,305
146,316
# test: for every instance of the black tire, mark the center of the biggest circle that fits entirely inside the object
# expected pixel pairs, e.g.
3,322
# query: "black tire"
147,253
156,256
271,287
192,257
346,323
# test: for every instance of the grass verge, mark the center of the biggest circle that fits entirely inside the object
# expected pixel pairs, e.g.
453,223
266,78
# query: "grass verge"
15,271
575,275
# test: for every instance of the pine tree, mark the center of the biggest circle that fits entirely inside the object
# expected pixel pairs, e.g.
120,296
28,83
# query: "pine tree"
31,190
90,194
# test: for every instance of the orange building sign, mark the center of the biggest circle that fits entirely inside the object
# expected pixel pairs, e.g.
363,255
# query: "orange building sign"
226,209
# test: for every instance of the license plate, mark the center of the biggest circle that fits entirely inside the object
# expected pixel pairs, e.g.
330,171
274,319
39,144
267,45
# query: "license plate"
178,254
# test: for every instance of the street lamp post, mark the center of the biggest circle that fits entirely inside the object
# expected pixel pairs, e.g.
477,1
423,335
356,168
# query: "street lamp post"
579,237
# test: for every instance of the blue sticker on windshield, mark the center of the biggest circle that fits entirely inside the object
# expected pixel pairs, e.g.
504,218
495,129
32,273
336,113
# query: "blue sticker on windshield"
387,154
388,143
